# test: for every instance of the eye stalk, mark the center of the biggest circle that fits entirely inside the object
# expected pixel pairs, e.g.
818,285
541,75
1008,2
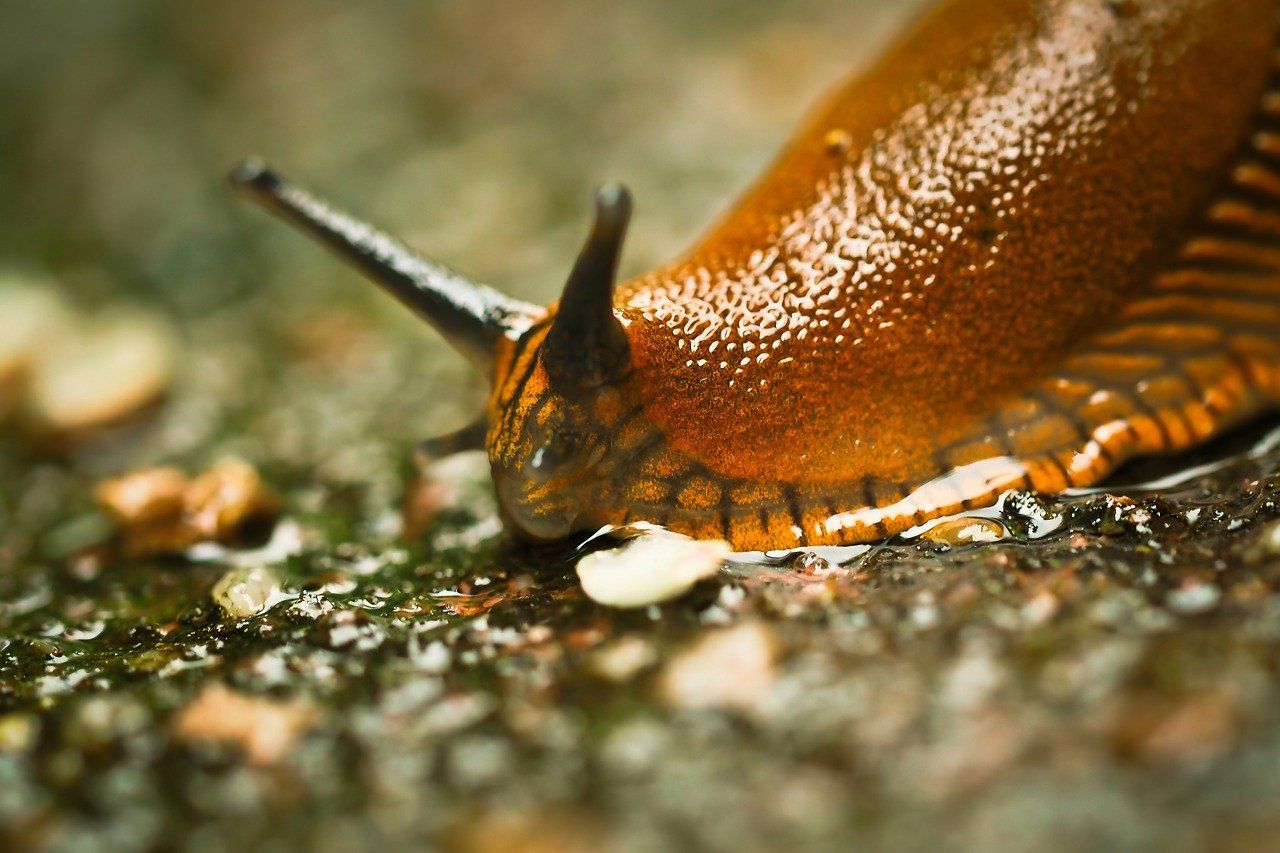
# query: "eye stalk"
587,346
545,463
470,316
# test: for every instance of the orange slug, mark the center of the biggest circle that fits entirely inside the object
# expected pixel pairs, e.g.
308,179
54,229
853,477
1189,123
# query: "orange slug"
1036,239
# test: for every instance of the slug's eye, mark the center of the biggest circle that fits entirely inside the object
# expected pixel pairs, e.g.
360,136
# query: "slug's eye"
559,450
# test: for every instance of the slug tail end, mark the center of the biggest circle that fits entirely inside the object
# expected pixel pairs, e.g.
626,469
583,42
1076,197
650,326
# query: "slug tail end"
471,316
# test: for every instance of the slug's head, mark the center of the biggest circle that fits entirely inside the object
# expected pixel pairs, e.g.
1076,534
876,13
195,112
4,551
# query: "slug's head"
561,391
559,376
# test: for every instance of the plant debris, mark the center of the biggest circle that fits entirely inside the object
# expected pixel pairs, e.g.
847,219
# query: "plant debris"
162,511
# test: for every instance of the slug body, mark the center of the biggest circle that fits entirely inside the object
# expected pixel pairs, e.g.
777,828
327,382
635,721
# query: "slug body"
1037,239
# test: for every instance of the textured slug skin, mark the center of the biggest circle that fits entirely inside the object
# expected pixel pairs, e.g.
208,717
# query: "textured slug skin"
940,237
1037,238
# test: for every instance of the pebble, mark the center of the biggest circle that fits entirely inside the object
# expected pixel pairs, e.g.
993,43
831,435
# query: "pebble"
1194,599
622,660
263,730
1265,544
649,570
110,369
33,315
17,732
247,591
726,669
973,679
1042,607
455,713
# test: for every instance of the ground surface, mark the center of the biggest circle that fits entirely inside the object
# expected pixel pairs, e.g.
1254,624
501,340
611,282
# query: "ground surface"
1104,676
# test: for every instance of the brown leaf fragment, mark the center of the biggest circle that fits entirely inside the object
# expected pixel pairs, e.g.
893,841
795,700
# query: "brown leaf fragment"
161,511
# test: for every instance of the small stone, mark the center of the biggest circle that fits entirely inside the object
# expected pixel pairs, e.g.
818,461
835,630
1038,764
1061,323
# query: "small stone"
17,732
112,368
809,563
649,569
972,681
1042,607
1192,730
925,615
331,340
434,658
247,591
1201,729
728,669
455,713
33,315
101,719
457,480
1265,544
623,660
1194,599
263,730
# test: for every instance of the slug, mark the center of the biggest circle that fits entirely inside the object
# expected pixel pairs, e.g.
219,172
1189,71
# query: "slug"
1036,239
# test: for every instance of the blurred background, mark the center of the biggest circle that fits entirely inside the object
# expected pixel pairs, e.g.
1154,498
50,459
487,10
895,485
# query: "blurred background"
474,130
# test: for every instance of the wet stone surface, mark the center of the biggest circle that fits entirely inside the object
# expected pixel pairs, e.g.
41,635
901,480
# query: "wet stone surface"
1112,680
